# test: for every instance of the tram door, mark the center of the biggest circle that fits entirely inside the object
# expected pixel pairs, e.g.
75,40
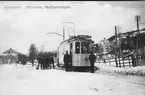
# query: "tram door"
71,50
76,55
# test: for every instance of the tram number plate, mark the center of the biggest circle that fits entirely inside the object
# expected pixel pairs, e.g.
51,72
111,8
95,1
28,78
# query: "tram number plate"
86,59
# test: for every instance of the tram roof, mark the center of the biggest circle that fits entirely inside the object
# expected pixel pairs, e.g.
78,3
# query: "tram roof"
78,38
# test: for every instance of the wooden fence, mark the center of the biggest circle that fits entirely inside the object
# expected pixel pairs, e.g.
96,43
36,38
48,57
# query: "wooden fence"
122,62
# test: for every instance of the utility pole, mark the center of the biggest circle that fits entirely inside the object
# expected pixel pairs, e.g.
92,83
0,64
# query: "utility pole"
137,23
120,53
63,34
119,46
115,38
116,46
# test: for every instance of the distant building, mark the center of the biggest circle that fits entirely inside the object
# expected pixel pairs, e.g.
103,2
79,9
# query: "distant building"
103,46
1,59
9,56
103,49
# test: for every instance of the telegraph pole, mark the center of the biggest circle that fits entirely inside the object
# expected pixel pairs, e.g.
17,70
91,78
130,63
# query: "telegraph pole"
116,46
137,23
120,53
115,37
63,34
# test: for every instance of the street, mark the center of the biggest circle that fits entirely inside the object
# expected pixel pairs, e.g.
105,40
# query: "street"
26,80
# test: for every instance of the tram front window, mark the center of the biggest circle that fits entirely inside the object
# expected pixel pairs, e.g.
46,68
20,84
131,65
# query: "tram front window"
85,48
77,47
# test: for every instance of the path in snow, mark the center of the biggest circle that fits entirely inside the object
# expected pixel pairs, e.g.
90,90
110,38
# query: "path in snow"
25,80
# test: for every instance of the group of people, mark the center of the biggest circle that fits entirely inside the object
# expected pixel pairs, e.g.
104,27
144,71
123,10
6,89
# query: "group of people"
45,61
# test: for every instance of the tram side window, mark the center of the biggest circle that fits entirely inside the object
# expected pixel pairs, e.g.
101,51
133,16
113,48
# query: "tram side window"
85,47
77,47
71,48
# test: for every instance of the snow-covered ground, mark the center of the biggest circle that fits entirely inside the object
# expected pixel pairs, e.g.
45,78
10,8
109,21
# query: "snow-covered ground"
138,70
26,80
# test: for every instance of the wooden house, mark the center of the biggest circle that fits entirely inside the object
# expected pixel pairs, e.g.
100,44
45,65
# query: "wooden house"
10,56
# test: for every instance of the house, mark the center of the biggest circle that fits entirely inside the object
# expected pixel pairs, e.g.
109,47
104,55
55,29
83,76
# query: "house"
1,59
10,56
103,46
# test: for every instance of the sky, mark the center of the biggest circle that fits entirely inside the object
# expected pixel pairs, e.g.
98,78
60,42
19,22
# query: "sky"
22,24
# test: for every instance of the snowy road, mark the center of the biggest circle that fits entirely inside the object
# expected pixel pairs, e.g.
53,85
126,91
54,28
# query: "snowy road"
25,80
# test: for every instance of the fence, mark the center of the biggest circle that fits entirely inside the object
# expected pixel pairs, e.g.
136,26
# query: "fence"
139,60
122,62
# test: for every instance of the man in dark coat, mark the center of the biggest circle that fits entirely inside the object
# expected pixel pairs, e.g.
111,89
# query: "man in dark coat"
47,61
92,59
66,60
38,60
52,61
42,61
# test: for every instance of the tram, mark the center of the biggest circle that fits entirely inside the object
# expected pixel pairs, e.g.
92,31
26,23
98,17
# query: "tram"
79,48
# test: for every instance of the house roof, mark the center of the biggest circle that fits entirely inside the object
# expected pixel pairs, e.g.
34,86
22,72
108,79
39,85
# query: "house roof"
129,32
9,51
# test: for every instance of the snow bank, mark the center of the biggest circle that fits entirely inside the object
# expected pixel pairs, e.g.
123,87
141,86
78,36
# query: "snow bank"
139,70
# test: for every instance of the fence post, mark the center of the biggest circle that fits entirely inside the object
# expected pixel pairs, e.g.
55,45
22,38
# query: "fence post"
119,62
133,61
129,62
123,62
116,61
104,61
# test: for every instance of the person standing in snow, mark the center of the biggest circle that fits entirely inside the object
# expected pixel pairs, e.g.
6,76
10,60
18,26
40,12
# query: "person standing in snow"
66,60
42,61
92,59
39,61
47,61
51,61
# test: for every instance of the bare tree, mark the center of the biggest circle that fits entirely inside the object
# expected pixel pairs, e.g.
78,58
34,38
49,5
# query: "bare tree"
32,53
